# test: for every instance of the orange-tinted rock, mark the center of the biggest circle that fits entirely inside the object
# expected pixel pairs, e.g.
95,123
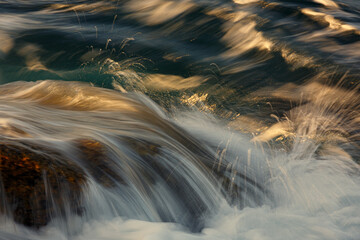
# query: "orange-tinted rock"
37,184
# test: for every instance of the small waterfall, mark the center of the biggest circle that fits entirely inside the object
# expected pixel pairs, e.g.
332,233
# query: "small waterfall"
98,154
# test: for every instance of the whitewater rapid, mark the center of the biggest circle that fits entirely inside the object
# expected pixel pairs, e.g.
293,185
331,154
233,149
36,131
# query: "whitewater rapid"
183,119
304,189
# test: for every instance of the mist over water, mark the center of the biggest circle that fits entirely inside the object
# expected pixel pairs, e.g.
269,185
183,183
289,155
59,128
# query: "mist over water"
187,119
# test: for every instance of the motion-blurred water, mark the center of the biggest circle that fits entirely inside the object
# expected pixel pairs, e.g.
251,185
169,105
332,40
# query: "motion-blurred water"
220,119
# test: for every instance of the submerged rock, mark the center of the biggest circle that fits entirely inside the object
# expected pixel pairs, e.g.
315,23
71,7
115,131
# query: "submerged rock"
38,184
94,158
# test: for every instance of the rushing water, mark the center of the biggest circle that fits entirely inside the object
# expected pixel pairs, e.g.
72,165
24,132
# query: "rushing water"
207,119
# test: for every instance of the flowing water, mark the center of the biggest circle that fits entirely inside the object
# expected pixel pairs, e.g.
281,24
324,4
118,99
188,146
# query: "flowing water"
188,119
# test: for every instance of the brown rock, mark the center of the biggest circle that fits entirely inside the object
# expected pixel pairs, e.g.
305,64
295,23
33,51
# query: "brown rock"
36,185
95,160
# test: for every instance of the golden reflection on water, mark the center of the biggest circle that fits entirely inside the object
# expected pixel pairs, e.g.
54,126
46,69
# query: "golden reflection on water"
100,6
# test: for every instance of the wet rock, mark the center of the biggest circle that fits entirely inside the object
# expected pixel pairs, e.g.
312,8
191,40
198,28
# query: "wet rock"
94,158
37,185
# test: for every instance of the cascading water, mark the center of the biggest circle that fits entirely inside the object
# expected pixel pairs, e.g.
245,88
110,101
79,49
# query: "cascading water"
137,163
189,119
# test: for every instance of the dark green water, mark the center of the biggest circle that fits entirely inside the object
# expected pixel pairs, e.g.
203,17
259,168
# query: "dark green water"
235,48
